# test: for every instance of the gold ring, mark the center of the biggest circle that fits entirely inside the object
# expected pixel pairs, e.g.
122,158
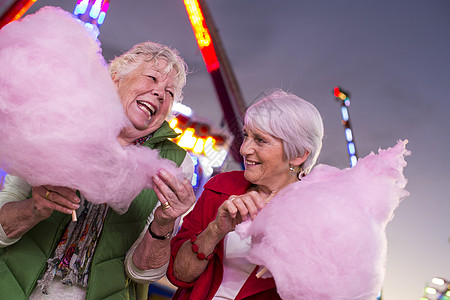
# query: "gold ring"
165,205
232,199
47,194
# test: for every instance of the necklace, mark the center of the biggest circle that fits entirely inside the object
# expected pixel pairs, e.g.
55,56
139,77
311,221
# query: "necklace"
142,140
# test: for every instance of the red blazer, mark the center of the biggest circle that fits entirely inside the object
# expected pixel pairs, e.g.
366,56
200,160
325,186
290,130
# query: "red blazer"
216,191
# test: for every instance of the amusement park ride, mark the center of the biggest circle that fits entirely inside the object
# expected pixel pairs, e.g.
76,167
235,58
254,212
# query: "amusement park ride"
209,147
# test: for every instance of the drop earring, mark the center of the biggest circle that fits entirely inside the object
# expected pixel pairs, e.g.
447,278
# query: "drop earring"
291,168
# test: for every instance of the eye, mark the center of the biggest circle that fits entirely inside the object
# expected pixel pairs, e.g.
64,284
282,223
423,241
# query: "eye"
171,94
152,77
259,140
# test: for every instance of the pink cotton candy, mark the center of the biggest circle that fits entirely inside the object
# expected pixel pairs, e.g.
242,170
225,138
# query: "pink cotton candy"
60,114
324,237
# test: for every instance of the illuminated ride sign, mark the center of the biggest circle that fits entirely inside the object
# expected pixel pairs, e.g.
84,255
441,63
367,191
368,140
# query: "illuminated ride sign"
198,138
202,35
343,98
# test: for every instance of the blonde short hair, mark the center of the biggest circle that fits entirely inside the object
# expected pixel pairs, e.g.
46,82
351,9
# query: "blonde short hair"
148,51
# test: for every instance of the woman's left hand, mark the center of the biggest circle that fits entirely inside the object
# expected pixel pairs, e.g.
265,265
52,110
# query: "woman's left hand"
176,197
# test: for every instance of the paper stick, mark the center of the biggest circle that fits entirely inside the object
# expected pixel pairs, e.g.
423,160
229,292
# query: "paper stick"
261,272
74,216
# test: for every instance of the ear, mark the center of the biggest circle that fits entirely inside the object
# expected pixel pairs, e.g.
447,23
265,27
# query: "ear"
115,78
299,160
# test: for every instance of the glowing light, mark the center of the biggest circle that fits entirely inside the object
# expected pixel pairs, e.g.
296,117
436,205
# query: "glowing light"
92,29
438,281
23,10
202,35
430,290
95,9
105,6
173,123
81,7
353,161
348,134
194,160
197,20
182,109
344,112
351,148
89,26
336,91
101,18
194,181
339,94
199,145
216,157
209,143
187,139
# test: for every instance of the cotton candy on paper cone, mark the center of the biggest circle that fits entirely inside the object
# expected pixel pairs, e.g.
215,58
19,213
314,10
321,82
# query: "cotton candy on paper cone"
324,237
60,114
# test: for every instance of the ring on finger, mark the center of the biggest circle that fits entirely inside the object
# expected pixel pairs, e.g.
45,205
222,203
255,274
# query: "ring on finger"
165,205
231,199
47,194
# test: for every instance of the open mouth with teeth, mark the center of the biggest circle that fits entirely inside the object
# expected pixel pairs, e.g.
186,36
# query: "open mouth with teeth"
251,163
147,108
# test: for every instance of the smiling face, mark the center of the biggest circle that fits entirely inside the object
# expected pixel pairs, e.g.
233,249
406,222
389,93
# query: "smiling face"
147,96
264,162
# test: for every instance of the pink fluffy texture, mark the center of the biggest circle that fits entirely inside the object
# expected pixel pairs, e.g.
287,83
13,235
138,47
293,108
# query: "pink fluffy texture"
60,114
324,237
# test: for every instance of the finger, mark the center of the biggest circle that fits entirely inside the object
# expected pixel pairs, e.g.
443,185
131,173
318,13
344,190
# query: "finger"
170,180
231,208
165,191
242,207
49,204
64,192
259,201
267,200
56,198
186,193
159,194
252,208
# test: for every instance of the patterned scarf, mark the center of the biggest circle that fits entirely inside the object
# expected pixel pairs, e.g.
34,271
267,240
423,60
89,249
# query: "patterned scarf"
75,250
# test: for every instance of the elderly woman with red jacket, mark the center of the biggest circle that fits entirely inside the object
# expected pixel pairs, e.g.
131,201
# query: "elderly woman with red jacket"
282,140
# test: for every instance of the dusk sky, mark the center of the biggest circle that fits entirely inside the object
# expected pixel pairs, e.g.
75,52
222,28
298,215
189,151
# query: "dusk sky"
392,56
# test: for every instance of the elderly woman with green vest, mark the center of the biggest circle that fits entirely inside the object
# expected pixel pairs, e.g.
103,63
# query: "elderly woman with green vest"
43,255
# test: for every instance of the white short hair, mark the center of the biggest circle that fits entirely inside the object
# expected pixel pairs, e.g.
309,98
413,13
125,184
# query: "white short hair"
292,119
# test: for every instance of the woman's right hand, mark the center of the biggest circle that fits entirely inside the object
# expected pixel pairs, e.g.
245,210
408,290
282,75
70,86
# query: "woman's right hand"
236,210
17,217
46,199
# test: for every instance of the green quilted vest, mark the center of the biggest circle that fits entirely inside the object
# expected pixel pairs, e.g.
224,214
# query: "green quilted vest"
23,263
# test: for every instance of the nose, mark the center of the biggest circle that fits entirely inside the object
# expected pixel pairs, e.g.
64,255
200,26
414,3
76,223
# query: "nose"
158,93
246,147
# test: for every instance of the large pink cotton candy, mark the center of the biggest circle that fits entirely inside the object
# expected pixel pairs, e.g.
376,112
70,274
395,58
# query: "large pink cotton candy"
324,237
60,114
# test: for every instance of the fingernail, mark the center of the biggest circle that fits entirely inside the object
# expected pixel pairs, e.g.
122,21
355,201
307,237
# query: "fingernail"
163,172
